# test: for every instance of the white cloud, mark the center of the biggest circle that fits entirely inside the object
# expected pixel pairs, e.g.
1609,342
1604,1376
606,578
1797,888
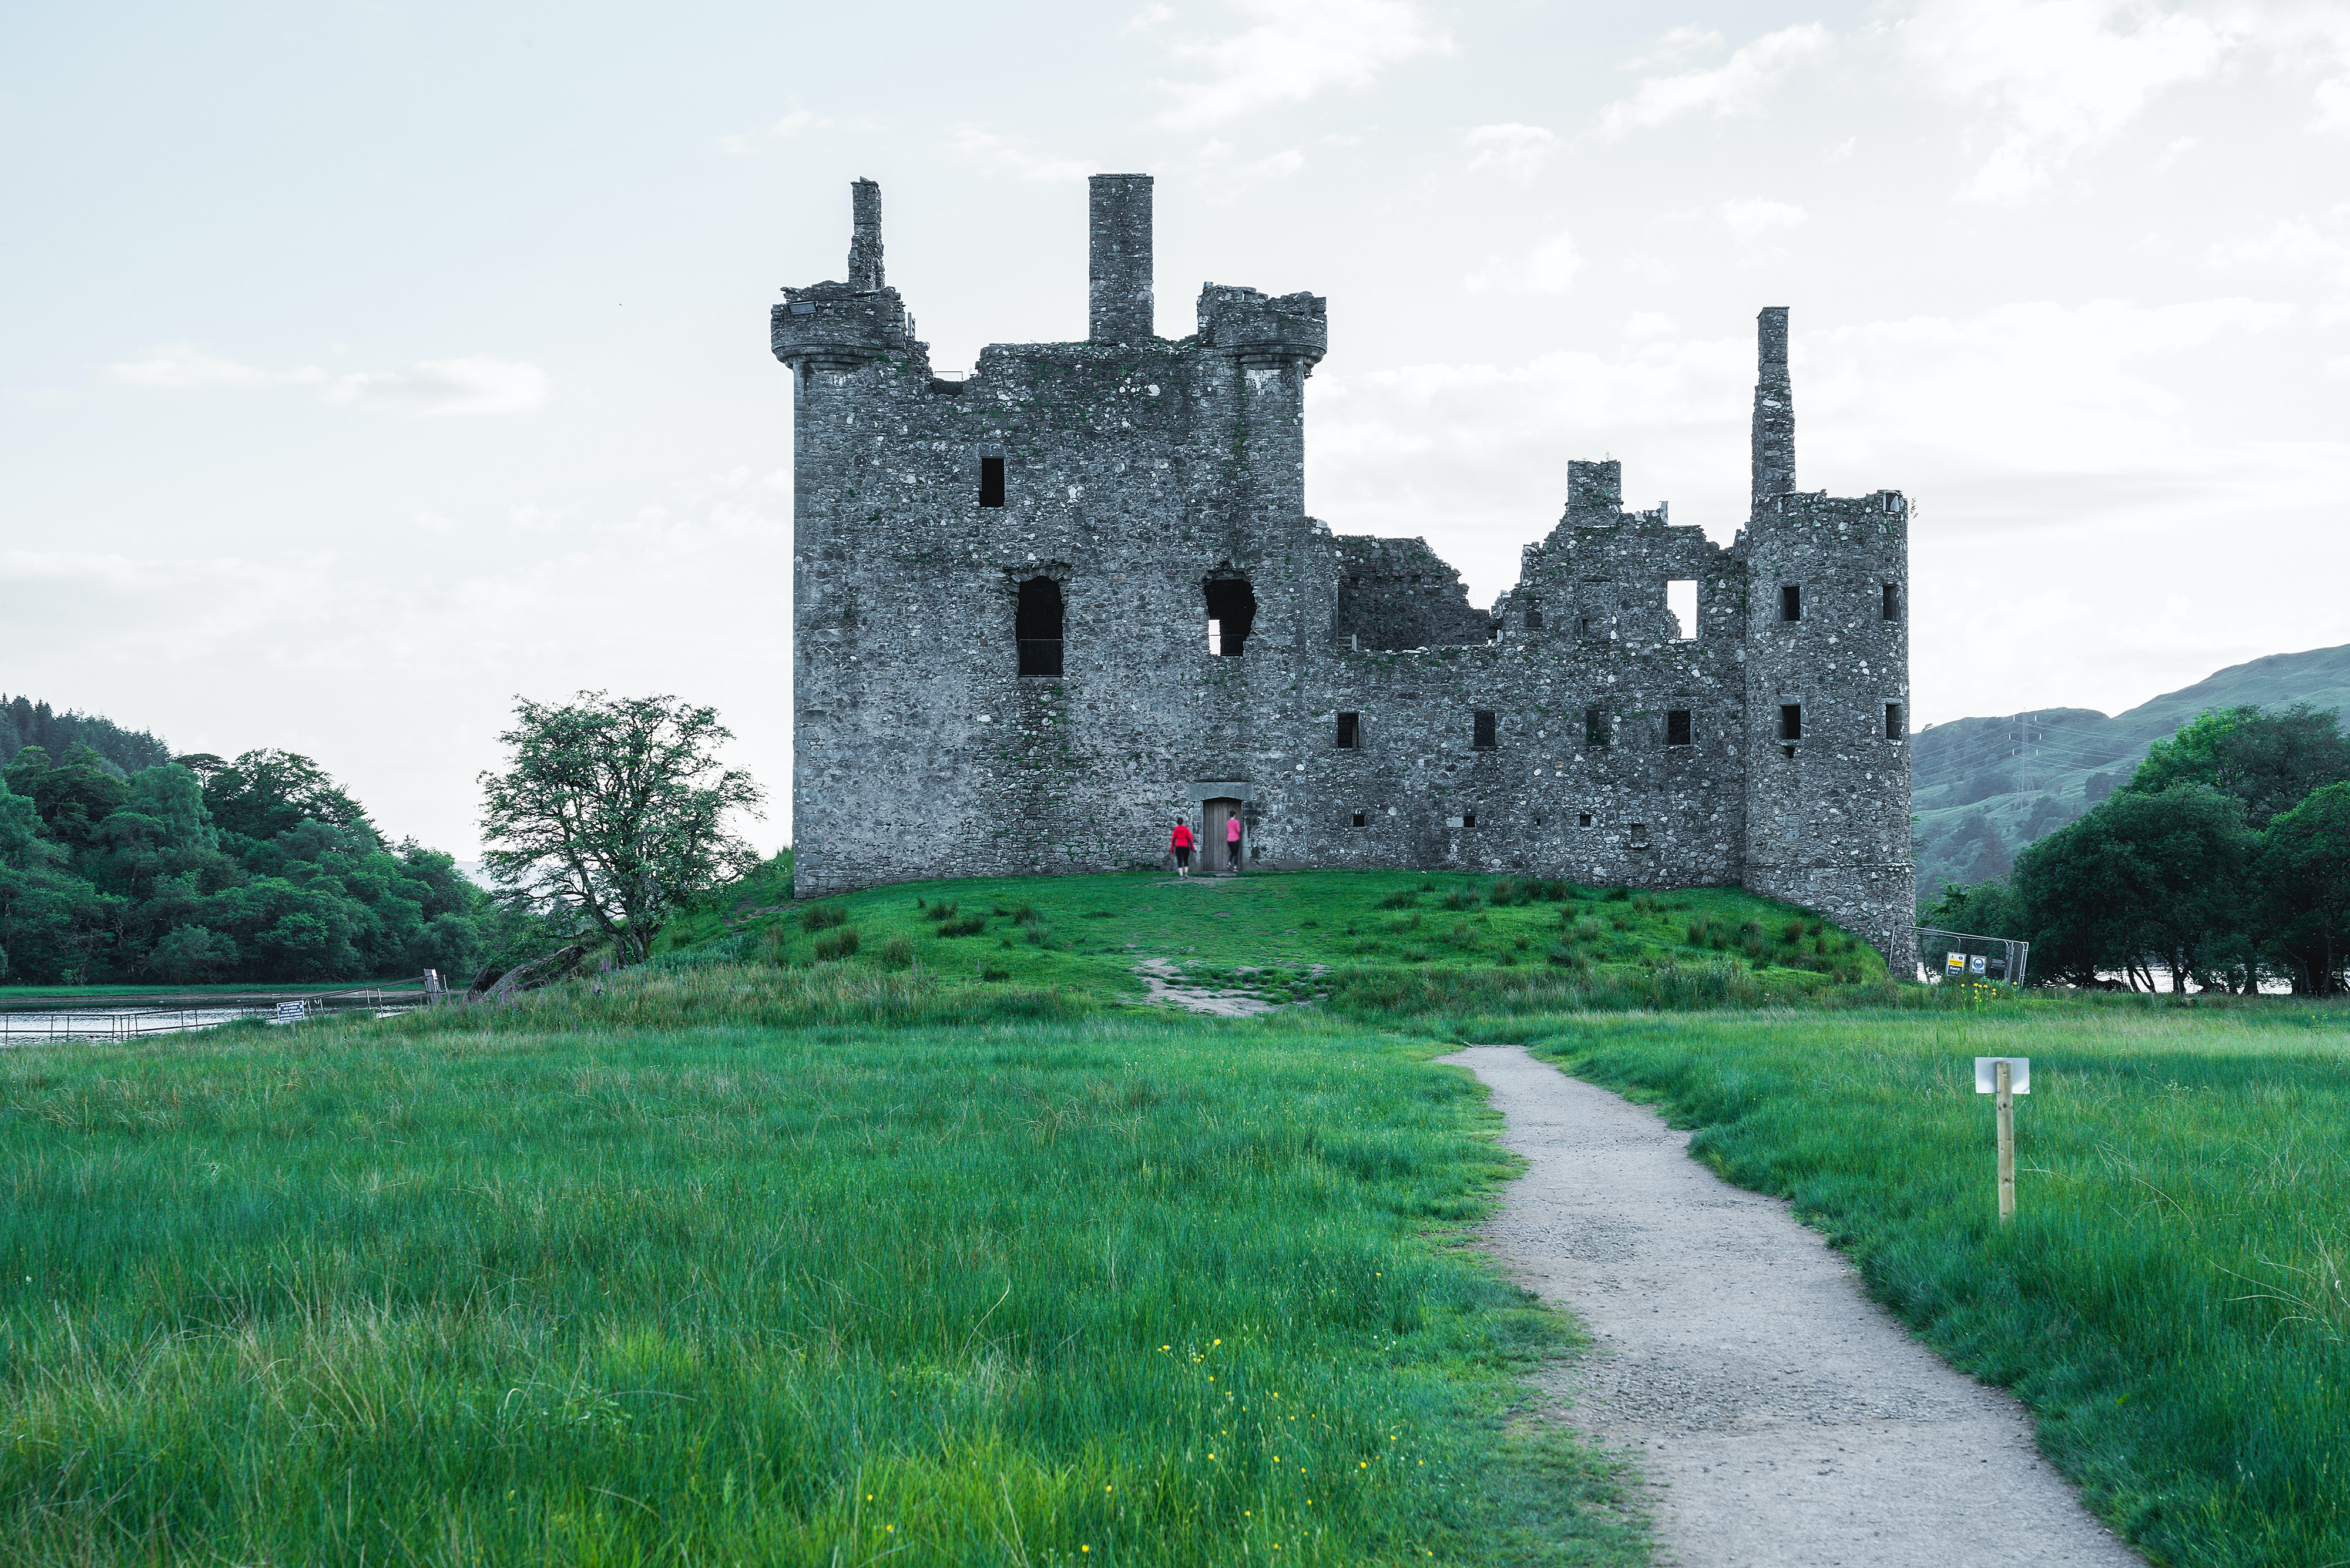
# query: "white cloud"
1150,16
1754,222
1279,166
1674,47
1001,155
1519,150
799,119
1733,87
2058,76
1295,49
477,384
1548,266
185,367
2332,100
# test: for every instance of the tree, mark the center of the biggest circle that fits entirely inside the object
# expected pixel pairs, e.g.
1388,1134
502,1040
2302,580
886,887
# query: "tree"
2305,872
614,807
265,793
2141,876
2269,760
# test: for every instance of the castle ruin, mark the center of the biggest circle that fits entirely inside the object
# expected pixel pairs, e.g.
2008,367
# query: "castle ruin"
1042,612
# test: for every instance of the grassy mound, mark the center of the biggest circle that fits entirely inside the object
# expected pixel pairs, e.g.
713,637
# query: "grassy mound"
1376,943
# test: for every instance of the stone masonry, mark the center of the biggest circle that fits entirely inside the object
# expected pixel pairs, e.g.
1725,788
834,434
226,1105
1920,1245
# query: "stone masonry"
1043,612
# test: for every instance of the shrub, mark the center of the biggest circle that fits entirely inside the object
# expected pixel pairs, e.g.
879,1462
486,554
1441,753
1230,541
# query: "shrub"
993,972
963,926
1460,899
943,910
897,952
1619,895
822,917
840,944
1027,914
1402,900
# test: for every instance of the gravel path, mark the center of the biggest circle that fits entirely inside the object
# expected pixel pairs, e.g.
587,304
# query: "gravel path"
1779,1416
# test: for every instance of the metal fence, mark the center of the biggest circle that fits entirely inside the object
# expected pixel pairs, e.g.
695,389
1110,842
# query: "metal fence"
28,1019
1963,956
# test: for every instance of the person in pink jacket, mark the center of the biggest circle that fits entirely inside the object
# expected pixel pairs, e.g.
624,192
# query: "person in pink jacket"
1233,840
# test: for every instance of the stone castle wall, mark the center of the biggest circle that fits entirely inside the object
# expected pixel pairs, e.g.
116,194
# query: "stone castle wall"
1150,483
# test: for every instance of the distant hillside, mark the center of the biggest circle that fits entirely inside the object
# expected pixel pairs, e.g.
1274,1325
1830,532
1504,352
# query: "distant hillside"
1984,788
25,723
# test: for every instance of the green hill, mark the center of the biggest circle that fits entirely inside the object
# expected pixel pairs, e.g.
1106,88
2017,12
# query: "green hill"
1984,788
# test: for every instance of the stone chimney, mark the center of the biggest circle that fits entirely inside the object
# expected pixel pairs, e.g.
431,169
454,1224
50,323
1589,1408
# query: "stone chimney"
1119,305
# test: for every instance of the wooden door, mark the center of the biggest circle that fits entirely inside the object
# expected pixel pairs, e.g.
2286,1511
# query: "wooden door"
1218,854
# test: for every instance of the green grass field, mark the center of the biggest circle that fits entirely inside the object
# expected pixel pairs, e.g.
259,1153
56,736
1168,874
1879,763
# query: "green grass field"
937,1250
535,1287
2170,1300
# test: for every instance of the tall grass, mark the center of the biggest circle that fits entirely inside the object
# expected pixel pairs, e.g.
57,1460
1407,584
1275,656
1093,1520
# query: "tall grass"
2171,1299
570,1284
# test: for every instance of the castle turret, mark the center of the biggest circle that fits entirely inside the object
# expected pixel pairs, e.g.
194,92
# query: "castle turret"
1827,685
838,328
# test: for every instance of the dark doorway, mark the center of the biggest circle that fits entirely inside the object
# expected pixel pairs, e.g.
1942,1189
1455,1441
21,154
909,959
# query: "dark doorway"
1232,611
1218,849
1037,626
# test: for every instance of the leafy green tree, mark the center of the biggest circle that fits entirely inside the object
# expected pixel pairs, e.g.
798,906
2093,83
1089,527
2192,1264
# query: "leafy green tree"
2303,865
191,955
72,797
2142,877
615,808
1982,909
2269,759
265,793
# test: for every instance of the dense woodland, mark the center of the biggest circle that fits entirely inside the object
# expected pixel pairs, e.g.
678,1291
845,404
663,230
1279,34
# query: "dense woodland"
2224,860
120,864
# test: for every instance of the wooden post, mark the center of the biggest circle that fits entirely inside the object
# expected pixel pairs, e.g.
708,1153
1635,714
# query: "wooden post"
2006,1071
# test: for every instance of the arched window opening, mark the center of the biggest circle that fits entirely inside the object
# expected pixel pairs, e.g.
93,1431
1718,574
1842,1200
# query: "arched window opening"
1037,626
1232,611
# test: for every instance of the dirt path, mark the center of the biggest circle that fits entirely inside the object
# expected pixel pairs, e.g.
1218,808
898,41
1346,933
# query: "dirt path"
1780,1415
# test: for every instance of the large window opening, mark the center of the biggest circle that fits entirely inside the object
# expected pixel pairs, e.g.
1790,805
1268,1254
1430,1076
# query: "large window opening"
1350,732
1677,726
1037,624
1790,601
1595,727
1791,721
1680,598
1231,610
991,482
1481,731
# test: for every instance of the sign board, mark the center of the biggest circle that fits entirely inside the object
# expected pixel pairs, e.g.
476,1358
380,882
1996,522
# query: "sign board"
1978,964
292,1011
1987,1074
1956,964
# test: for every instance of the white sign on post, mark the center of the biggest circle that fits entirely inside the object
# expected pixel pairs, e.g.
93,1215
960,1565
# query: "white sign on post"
1987,1075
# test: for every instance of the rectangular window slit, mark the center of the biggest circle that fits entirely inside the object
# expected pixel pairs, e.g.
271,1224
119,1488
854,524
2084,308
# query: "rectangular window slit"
1790,601
1482,733
1350,734
1362,819
1681,597
991,482
1595,727
1893,720
1677,727
1892,601
1790,720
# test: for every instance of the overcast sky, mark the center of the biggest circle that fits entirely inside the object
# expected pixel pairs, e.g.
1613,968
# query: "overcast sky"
367,365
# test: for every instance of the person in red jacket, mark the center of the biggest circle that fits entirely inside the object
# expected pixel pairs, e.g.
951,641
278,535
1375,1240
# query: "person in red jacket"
1181,845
